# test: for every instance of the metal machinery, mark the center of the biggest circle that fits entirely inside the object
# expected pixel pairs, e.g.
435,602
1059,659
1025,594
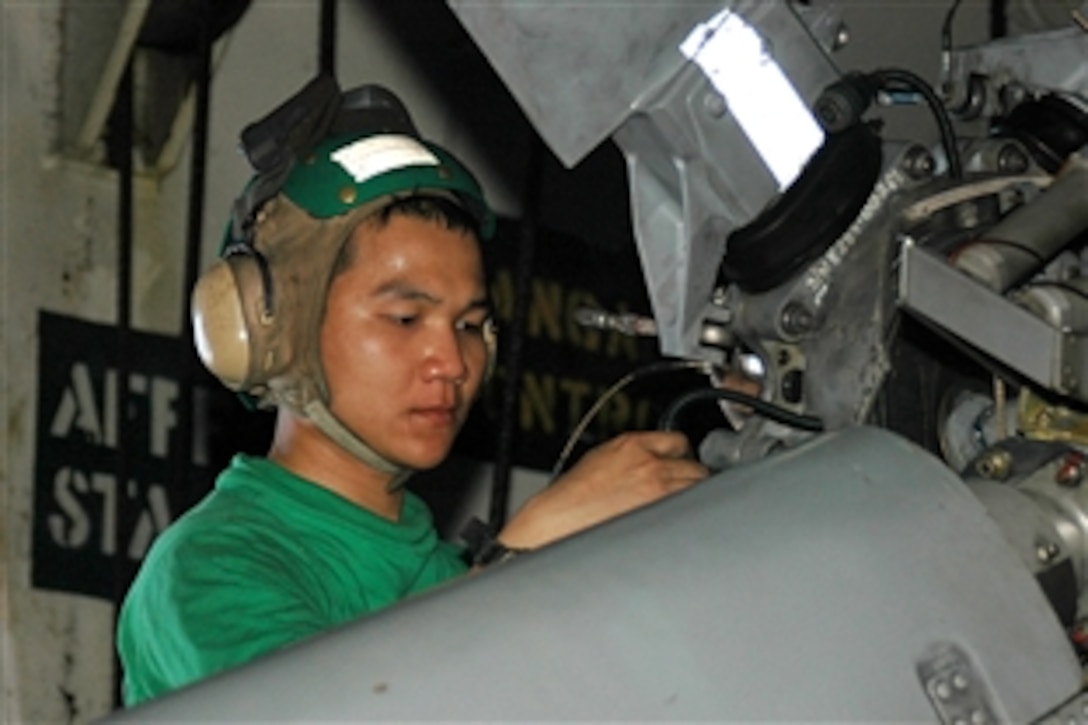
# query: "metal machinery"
924,558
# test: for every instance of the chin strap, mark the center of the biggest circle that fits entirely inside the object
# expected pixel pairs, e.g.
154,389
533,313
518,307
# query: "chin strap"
320,414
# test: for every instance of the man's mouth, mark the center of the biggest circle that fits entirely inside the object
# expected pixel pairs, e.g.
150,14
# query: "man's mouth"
436,415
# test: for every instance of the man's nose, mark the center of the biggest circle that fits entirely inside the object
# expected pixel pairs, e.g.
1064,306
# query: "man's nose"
446,357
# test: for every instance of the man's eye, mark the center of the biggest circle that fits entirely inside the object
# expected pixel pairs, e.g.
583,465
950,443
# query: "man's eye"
471,326
403,320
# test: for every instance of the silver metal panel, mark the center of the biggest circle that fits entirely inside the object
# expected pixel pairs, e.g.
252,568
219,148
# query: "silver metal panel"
584,71
576,68
1051,357
1042,61
830,582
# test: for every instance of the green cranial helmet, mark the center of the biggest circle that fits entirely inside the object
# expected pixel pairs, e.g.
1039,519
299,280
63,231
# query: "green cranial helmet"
324,162
348,171
330,152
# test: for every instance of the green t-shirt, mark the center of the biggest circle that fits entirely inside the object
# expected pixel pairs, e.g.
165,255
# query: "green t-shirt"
266,559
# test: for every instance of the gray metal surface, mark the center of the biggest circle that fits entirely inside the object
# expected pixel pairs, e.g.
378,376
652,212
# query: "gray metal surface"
578,68
1038,62
822,584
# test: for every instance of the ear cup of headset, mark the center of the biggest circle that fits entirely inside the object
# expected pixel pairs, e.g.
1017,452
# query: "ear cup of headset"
229,306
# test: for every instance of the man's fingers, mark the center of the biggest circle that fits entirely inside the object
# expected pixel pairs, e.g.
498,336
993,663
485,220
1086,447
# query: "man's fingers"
686,472
667,444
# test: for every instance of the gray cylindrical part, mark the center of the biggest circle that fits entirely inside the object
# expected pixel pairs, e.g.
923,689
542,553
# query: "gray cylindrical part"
1064,306
812,585
1025,240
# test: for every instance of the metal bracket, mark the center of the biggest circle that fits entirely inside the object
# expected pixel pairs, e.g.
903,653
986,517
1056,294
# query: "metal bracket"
1012,334
956,691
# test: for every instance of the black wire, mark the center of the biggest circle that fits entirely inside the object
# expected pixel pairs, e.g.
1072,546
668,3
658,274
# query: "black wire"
654,368
999,20
326,38
515,342
891,76
767,410
946,29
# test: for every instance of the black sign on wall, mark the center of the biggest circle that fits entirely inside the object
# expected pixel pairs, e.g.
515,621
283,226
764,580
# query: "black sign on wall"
84,518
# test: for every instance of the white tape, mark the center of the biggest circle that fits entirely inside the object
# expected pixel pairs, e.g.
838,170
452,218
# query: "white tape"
369,157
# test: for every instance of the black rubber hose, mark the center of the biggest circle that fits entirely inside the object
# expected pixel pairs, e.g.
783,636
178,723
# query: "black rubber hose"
768,410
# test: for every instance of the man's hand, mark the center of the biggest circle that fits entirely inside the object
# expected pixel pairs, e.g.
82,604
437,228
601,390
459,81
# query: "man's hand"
618,476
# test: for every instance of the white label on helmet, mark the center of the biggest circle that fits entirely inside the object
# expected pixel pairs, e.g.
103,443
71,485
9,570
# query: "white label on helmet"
366,158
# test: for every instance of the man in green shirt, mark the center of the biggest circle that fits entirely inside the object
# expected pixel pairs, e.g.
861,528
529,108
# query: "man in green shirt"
351,297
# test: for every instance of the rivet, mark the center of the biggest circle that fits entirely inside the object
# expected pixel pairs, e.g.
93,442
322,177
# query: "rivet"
1047,551
959,681
443,172
942,690
348,195
995,464
715,104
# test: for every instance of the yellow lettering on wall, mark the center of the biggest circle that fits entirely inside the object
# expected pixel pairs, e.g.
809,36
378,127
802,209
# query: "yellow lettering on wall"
618,414
552,405
502,295
537,409
576,392
546,310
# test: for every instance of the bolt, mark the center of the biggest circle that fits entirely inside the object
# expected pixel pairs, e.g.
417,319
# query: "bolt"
715,105
995,464
716,335
1011,159
1012,95
918,163
796,319
1047,551
793,386
967,216
842,37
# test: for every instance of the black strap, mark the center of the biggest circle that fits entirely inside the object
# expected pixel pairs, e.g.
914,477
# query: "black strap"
483,547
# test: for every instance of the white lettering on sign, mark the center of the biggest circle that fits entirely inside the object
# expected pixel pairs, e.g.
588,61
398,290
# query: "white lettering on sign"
369,157
83,499
91,409
79,409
